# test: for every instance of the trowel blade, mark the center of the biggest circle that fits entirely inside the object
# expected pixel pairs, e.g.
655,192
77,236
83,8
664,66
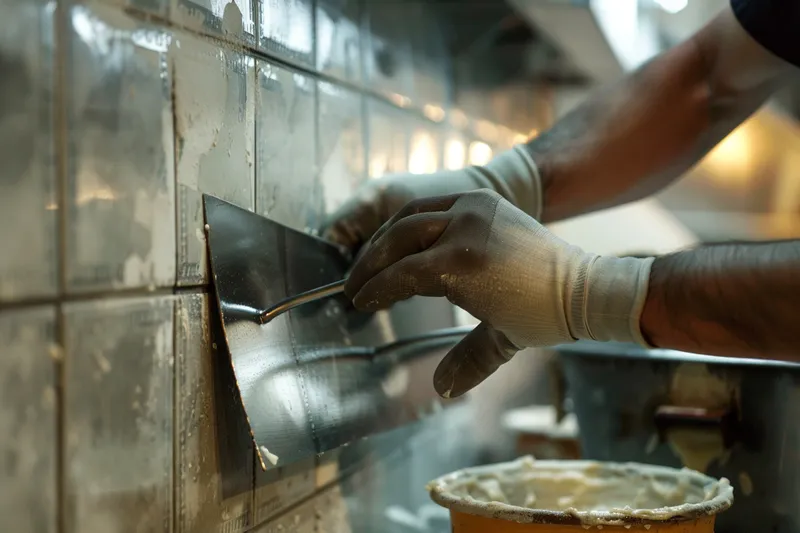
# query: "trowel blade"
256,262
315,377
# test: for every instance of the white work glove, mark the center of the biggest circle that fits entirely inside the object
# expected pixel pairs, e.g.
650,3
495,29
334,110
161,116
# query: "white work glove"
513,174
527,286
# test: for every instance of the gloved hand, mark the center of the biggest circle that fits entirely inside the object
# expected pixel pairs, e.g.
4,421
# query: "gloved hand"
527,286
513,174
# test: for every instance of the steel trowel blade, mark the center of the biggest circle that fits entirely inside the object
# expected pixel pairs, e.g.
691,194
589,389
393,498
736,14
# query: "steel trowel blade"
256,262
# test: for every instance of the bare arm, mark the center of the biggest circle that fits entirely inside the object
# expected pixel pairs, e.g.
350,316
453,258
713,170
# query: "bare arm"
630,140
739,300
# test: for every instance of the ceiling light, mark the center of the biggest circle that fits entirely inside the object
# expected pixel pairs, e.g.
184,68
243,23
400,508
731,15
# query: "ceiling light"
673,6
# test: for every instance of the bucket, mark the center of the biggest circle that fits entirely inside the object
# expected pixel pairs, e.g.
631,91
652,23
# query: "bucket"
527,496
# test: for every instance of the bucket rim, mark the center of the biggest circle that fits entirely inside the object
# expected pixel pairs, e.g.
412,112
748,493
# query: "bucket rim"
721,495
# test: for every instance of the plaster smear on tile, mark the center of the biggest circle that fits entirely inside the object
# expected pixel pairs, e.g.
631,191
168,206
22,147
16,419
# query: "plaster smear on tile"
214,119
121,183
215,131
139,270
195,14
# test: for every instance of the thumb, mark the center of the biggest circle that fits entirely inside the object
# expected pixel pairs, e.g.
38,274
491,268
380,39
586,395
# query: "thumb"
472,360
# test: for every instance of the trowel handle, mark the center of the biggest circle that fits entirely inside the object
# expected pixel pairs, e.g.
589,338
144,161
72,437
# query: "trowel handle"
299,299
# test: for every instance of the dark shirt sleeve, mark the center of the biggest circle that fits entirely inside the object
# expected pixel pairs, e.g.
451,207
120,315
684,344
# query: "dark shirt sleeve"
775,24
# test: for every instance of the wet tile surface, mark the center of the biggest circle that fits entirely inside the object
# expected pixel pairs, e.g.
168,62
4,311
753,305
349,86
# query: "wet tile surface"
214,117
213,447
287,182
29,262
286,29
120,170
28,413
339,36
118,415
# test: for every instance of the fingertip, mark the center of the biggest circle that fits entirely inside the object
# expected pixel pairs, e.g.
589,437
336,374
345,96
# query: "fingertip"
369,302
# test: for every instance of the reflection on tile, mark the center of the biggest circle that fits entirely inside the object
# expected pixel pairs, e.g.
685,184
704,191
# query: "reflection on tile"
232,20
278,489
118,415
28,264
287,188
387,51
286,28
339,39
28,421
388,139
120,186
341,143
431,67
214,108
213,450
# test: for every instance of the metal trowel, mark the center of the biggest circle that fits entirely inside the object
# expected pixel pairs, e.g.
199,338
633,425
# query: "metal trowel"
310,376
262,268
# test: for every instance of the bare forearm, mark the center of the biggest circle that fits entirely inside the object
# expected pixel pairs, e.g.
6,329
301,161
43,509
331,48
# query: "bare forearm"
740,300
630,140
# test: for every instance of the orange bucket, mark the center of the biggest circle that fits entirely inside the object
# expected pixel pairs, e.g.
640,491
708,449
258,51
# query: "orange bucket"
527,496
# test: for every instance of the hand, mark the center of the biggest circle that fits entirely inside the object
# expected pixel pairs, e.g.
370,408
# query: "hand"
513,174
527,286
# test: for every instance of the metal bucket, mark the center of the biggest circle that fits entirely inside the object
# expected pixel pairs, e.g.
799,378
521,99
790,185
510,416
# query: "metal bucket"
732,418
546,496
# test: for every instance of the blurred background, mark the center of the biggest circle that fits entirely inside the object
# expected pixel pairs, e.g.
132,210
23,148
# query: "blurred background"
115,117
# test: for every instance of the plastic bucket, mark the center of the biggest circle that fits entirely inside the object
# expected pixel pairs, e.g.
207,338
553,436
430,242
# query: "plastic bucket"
562,496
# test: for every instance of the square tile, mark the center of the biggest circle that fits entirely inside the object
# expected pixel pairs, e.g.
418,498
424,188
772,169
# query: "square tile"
388,139
28,420
213,446
231,20
341,144
287,181
214,102
120,170
286,29
29,262
339,37
118,415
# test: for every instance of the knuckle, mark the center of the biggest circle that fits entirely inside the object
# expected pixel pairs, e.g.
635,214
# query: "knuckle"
472,219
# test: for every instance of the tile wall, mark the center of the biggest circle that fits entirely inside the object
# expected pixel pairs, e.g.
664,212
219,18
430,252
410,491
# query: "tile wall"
115,116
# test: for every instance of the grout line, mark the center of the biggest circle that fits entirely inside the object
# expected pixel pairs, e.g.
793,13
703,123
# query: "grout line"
60,145
280,61
138,292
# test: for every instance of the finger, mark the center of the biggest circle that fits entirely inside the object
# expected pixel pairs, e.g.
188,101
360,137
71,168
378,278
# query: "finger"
415,207
352,224
411,276
408,236
472,360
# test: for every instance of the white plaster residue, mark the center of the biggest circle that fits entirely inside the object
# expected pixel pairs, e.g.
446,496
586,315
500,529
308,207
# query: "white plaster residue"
232,19
199,110
271,457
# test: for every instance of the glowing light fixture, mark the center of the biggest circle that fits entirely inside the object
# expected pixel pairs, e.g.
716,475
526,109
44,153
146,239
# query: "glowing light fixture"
455,154
480,153
673,6
423,158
